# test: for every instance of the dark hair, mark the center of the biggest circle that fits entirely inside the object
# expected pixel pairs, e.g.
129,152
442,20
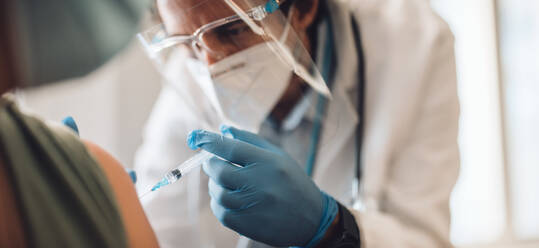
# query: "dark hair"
7,61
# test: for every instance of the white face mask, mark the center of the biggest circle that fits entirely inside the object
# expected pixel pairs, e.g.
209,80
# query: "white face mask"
245,86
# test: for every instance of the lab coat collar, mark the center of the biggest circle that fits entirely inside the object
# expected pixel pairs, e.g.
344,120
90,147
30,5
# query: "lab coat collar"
347,54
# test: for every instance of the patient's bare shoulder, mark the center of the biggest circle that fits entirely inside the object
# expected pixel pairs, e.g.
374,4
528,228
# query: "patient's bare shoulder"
139,231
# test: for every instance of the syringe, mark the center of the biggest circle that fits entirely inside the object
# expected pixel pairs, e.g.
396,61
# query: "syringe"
184,168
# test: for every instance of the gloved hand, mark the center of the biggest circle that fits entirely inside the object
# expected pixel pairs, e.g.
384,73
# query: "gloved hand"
269,198
70,122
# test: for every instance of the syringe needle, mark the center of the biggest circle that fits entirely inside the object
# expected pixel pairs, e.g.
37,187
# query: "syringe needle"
144,194
184,168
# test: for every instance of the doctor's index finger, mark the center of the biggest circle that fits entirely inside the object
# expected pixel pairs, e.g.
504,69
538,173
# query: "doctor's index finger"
248,137
233,150
224,173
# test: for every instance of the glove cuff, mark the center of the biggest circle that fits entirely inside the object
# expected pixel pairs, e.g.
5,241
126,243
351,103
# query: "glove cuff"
328,215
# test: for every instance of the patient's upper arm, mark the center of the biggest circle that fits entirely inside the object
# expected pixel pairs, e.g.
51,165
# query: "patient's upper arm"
139,231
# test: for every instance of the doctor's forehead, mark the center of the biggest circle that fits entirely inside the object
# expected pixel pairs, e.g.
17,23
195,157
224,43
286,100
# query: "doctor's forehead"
185,16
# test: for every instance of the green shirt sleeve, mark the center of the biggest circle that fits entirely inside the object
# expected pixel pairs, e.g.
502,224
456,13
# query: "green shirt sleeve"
62,193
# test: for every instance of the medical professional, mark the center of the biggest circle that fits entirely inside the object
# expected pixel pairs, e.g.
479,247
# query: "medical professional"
385,180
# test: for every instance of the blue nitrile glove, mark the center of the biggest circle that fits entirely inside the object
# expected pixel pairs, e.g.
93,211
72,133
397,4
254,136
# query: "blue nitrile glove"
70,122
270,198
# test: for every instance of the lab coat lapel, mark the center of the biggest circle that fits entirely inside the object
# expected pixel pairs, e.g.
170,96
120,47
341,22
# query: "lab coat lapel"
342,118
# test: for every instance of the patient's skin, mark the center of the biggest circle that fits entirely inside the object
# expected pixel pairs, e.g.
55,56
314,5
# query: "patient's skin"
139,231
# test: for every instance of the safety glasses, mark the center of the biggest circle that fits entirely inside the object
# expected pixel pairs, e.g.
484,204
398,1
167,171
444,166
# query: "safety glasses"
232,26
219,38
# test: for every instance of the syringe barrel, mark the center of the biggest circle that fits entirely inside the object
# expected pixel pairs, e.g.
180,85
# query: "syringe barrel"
194,161
173,175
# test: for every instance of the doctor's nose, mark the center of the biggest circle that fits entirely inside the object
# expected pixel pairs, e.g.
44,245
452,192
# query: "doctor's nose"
215,55
208,57
211,59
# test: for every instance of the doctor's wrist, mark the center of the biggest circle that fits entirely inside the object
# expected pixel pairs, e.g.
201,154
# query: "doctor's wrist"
329,214
330,232
344,232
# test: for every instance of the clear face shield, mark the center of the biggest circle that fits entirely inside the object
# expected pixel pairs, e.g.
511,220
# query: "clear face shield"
244,55
252,67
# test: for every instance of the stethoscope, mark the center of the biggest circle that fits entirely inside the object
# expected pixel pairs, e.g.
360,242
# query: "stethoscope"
327,71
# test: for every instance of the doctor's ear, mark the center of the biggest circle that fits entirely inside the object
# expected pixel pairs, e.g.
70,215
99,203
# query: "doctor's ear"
304,13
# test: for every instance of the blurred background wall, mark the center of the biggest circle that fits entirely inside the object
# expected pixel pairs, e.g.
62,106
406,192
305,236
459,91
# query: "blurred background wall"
496,200
110,105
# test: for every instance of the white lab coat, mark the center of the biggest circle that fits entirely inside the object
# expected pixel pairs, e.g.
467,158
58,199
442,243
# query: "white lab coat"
410,152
